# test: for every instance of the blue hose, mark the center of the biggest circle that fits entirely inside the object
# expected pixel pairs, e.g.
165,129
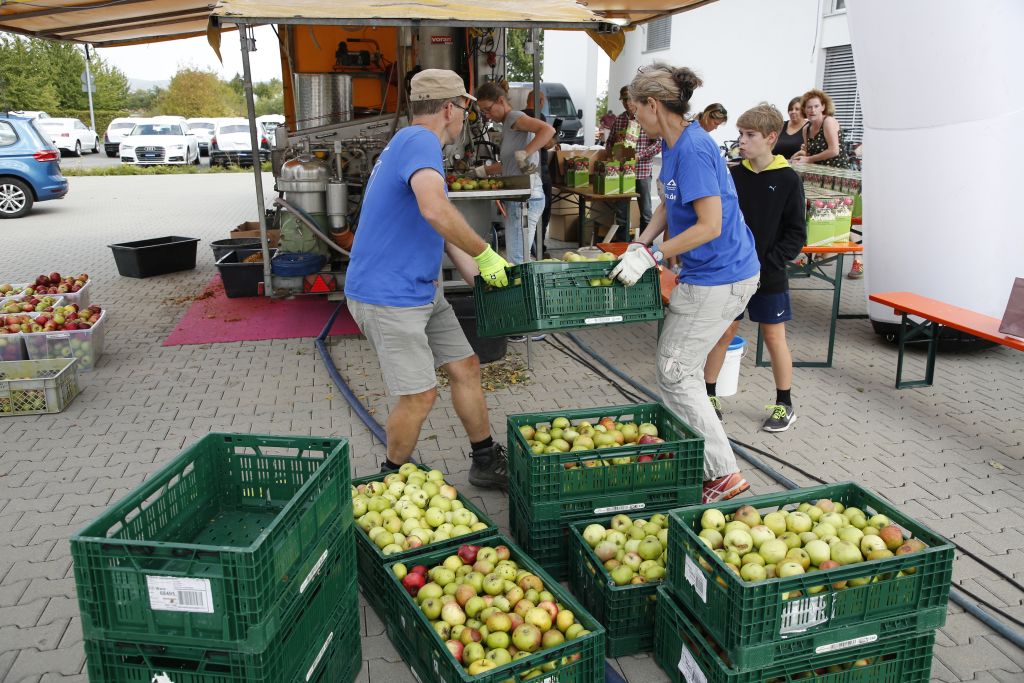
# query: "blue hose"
339,382
956,596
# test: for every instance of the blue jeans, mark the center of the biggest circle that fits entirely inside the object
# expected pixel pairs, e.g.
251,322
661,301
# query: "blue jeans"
514,225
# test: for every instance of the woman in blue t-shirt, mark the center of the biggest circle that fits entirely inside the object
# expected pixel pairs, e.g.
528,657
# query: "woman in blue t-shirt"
719,262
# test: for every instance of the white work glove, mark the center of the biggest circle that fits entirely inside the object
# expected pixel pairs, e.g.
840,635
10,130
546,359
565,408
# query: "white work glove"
636,261
524,163
480,171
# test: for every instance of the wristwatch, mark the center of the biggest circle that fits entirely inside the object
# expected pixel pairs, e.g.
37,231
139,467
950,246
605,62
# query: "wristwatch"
658,256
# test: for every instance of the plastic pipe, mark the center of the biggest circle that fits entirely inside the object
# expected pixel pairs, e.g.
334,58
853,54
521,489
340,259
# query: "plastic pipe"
339,382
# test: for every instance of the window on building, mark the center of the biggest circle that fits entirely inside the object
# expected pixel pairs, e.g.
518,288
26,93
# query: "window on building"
840,82
836,6
659,34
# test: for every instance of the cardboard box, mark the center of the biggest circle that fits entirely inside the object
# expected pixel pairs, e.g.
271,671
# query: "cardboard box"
562,155
564,228
252,229
606,178
564,207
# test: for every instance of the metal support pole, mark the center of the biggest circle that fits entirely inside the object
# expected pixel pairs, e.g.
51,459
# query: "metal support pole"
88,90
537,96
248,44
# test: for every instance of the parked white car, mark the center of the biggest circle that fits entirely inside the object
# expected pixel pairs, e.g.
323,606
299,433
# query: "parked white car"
203,128
160,141
116,130
270,122
69,135
232,144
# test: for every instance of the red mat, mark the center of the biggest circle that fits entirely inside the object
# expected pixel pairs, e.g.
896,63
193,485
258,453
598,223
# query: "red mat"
214,318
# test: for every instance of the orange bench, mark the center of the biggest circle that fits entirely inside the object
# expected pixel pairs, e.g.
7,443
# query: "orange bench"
936,314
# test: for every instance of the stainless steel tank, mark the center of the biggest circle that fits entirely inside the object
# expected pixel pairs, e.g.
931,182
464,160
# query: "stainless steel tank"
437,47
337,204
304,182
322,99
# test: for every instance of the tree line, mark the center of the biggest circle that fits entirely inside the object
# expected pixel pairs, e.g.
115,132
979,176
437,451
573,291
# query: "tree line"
43,75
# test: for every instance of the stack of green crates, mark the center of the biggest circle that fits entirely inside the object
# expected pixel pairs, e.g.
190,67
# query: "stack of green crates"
626,612
235,562
548,492
372,574
579,660
730,630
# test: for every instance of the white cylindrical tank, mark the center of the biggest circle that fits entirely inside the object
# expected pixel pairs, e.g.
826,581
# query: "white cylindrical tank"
943,97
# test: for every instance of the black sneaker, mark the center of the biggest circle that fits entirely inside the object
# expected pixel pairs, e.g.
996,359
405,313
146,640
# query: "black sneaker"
716,403
781,417
489,468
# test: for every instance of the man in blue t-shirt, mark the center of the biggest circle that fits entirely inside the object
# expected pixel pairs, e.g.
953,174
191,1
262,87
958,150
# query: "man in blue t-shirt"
393,282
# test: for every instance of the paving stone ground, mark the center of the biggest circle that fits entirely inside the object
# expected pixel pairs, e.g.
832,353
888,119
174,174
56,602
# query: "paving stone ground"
950,455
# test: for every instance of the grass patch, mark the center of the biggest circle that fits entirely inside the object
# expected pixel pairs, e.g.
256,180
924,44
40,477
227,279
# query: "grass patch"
128,169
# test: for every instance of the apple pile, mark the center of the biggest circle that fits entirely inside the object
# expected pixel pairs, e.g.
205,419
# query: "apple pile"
811,538
24,400
488,610
458,184
633,551
10,346
562,436
411,508
62,318
54,283
28,303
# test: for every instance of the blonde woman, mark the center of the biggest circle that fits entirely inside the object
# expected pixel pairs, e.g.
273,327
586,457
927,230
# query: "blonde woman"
720,267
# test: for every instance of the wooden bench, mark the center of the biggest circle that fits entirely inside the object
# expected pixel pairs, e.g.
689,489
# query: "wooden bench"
935,314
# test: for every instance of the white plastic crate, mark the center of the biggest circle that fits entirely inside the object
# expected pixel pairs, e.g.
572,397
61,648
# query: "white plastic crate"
81,297
11,347
31,387
85,345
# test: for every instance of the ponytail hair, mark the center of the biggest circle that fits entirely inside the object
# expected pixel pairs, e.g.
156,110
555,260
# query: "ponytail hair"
672,86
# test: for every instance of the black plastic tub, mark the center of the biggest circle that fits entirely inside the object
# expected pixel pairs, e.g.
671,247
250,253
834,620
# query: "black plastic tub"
488,349
157,256
222,247
241,279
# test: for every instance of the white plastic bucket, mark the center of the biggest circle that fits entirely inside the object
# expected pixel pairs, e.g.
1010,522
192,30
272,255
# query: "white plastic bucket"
729,377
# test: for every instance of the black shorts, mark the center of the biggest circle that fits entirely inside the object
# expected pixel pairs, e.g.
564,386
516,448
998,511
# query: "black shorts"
769,308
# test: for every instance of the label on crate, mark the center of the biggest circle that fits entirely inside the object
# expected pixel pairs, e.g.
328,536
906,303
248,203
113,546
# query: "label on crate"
604,320
313,572
688,667
620,508
695,576
178,594
320,655
843,644
803,614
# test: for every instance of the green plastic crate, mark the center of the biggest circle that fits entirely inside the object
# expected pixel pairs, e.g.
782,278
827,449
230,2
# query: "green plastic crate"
552,491
558,296
754,623
687,654
33,387
422,648
243,523
372,575
626,612
546,541
328,629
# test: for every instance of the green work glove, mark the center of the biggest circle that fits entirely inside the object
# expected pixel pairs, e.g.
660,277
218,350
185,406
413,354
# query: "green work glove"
492,267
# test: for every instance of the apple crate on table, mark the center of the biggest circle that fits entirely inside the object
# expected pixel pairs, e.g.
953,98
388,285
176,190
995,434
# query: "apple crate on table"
223,547
430,529
687,653
846,601
621,598
320,644
574,655
32,387
545,296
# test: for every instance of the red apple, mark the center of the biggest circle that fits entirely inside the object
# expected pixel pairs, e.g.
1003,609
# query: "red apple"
647,438
468,553
413,582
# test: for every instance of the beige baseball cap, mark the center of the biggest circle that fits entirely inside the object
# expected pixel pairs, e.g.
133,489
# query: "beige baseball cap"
437,84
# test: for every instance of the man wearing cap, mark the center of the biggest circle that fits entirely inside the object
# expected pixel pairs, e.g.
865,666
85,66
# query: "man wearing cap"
646,150
393,283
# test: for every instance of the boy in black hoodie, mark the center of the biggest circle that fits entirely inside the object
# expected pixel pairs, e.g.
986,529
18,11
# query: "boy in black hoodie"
771,197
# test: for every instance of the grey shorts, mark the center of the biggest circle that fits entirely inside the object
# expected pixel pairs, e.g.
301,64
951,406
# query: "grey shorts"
411,343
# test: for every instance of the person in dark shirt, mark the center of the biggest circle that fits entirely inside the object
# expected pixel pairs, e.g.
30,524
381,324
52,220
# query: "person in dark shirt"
791,137
771,197
545,161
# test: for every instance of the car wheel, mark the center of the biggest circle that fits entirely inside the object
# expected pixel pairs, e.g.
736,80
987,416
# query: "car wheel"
78,148
15,198
96,146
195,162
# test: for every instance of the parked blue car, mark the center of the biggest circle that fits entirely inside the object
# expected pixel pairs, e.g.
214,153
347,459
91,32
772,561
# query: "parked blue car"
29,167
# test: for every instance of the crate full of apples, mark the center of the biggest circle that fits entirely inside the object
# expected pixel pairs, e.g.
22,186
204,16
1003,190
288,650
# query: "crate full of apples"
398,513
69,331
687,652
616,566
73,288
807,568
592,460
485,612
32,387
